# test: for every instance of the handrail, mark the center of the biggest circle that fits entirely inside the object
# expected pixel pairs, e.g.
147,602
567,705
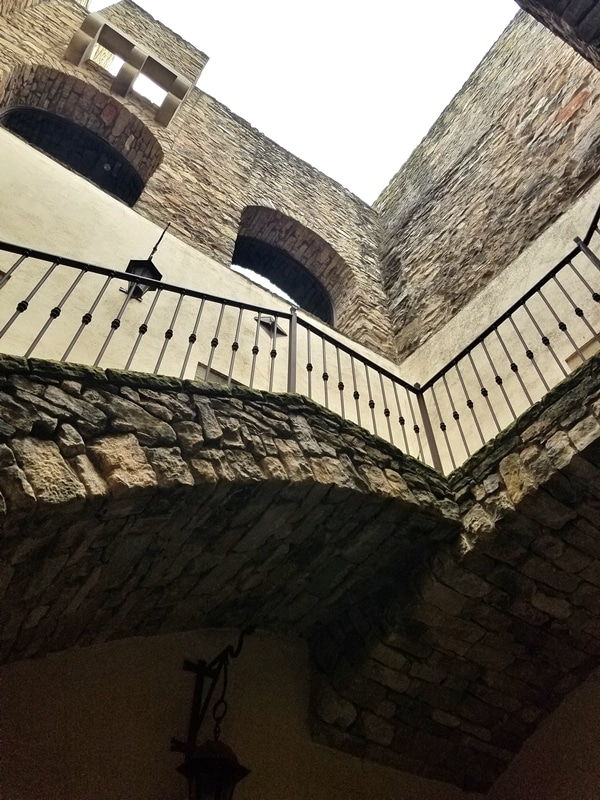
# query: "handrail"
195,324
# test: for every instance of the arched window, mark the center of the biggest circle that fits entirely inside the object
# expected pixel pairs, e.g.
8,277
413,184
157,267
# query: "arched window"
286,273
291,256
82,127
77,148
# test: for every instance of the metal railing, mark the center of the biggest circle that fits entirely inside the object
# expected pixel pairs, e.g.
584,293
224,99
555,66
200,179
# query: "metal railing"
519,357
62,309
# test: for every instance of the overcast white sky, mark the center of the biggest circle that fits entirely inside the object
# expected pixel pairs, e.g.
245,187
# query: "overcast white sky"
350,87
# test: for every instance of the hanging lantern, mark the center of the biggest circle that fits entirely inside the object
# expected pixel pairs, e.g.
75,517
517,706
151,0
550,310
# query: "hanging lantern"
212,770
144,268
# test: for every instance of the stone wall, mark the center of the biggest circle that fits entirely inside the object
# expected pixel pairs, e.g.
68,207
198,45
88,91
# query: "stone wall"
71,97
448,677
511,152
578,23
216,165
156,37
133,504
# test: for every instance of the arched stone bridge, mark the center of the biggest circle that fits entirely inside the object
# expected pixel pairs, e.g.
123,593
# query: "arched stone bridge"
446,616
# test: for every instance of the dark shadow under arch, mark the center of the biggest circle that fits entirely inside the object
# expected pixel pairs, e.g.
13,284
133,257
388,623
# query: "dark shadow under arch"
77,148
285,272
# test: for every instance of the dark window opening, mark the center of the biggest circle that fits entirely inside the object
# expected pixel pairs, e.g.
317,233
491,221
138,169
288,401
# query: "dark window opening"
77,148
286,273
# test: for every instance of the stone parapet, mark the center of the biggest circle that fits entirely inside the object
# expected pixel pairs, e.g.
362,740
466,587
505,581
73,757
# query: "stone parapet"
135,504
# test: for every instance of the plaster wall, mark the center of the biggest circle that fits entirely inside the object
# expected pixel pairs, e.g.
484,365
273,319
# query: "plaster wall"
561,760
96,723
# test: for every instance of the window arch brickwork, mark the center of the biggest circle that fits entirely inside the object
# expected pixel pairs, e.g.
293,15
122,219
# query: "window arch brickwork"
70,97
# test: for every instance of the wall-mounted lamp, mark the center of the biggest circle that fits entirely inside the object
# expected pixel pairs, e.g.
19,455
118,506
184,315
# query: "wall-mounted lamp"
212,769
144,268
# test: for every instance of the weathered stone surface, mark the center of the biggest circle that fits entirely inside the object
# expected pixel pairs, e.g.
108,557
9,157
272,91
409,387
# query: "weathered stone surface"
171,470
53,482
123,464
526,111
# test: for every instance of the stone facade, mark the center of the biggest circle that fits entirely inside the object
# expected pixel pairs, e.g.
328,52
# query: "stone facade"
511,152
136,505
446,617
201,192
448,676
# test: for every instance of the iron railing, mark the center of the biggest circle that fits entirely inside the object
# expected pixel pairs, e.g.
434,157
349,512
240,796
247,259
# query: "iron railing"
62,309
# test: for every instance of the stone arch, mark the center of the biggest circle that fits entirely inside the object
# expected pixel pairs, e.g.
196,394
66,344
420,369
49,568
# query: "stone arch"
69,98
295,258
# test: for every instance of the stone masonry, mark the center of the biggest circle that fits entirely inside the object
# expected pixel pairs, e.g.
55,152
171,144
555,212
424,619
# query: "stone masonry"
512,151
213,165
446,616
135,505
575,21
448,676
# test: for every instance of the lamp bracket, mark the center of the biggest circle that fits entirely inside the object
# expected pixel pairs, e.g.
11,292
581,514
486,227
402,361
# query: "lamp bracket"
208,676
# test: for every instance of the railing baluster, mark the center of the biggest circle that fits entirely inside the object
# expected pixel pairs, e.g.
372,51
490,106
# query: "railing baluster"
273,353
561,324
498,380
325,374
371,401
513,366
484,392
469,403
401,419
443,427
340,382
595,297
214,343
169,333
456,415
530,354
255,349
235,346
545,340
309,366
23,305
192,338
54,314
9,273
115,324
416,427
355,393
386,411
87,318
143,329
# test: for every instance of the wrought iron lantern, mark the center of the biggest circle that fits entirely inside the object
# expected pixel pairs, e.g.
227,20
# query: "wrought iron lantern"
144,268
211,769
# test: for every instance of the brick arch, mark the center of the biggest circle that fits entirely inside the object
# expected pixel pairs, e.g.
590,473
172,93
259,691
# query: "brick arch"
314,273
67,96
